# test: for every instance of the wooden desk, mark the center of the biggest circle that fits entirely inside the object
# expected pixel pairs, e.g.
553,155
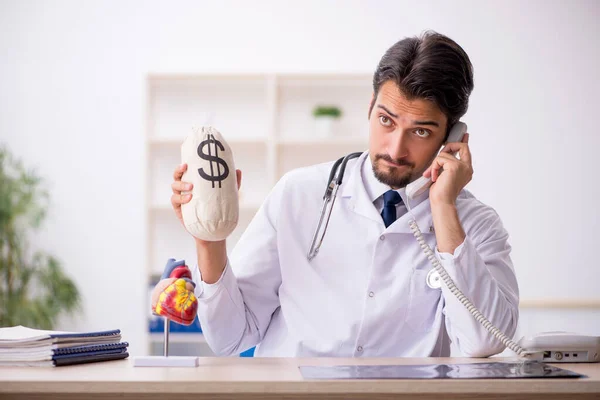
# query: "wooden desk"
253,378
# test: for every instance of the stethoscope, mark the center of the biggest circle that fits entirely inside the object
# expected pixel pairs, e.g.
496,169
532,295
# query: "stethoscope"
336,176
333,184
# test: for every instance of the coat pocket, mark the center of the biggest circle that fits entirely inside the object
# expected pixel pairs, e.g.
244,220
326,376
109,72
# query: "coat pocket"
423,303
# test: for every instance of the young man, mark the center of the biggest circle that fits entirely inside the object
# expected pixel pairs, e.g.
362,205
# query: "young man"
366,291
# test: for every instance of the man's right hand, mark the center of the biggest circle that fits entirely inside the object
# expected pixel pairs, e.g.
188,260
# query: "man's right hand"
177,198
212,256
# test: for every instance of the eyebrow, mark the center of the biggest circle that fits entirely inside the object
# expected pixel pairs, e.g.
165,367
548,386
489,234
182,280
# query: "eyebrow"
432,123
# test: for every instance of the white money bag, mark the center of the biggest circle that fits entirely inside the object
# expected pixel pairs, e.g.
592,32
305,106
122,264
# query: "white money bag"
212,213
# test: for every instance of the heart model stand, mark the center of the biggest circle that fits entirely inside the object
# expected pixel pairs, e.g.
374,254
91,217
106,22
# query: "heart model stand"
176,303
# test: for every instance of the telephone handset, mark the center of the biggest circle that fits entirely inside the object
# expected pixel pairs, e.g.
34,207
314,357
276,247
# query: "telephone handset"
548,346
420,185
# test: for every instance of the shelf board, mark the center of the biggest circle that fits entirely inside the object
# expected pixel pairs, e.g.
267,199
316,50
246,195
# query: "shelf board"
316,83
178,337
202,76
252,207
359,141
282,77
350,141
170,142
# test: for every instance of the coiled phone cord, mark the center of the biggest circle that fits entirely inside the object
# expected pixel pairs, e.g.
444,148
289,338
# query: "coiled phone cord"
464,299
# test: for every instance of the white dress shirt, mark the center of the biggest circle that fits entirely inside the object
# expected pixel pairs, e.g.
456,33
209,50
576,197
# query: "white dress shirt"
375,189
365,293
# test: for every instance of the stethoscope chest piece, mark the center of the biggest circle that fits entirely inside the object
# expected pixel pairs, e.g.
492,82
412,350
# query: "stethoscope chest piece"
434,280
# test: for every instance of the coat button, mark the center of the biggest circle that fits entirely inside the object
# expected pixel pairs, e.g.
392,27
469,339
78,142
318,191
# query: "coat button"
359,349
371,294
381,237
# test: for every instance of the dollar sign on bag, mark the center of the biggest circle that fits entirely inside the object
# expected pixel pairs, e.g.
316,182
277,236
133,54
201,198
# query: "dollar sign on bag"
218,177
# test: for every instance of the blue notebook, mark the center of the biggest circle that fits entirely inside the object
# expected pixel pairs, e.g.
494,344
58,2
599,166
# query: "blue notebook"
86,358
90,349
70,335
72,339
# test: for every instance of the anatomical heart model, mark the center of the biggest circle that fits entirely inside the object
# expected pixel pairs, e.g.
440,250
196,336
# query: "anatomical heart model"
177,301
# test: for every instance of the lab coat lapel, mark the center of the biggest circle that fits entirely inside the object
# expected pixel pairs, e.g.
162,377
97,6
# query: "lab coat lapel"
355,198
354,194
421,213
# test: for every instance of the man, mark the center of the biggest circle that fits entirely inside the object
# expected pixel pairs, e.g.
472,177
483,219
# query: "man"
366,292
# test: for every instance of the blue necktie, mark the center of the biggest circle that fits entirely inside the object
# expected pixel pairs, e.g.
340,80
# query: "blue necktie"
390,199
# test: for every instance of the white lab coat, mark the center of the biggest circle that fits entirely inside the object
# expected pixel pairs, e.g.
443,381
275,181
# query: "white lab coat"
365,293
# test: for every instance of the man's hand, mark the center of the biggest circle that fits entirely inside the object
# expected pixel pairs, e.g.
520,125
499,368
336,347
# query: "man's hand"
444,191
456,173
178,198
212,256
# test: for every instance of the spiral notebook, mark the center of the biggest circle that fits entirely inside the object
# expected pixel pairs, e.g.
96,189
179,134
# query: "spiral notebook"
85,358
93,348
22,346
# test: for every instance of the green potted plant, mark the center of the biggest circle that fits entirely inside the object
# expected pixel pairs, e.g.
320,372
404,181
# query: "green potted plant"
34,290
326,117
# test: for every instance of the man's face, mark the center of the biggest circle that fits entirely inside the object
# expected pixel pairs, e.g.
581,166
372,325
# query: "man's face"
404,136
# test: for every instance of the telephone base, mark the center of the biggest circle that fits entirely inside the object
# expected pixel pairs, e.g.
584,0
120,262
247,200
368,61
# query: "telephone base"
161,361
563,347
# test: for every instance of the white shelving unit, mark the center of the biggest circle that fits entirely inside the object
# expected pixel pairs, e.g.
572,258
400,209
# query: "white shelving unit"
266,119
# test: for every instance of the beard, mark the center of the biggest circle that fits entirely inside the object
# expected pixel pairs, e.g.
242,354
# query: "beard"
391,176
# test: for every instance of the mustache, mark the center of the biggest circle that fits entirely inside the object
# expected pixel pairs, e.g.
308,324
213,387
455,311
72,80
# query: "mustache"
398,161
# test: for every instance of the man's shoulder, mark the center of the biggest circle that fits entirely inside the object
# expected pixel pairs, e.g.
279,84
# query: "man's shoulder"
471,210
307,178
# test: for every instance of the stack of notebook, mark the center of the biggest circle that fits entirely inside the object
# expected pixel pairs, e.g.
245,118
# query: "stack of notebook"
22,346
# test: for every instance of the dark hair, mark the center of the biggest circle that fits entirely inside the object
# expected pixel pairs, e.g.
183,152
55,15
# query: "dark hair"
431,67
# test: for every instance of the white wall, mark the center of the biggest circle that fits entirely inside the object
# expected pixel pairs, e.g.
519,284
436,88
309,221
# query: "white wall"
72,103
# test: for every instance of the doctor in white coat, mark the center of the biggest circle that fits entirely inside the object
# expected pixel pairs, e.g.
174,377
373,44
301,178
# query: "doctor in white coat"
365,294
